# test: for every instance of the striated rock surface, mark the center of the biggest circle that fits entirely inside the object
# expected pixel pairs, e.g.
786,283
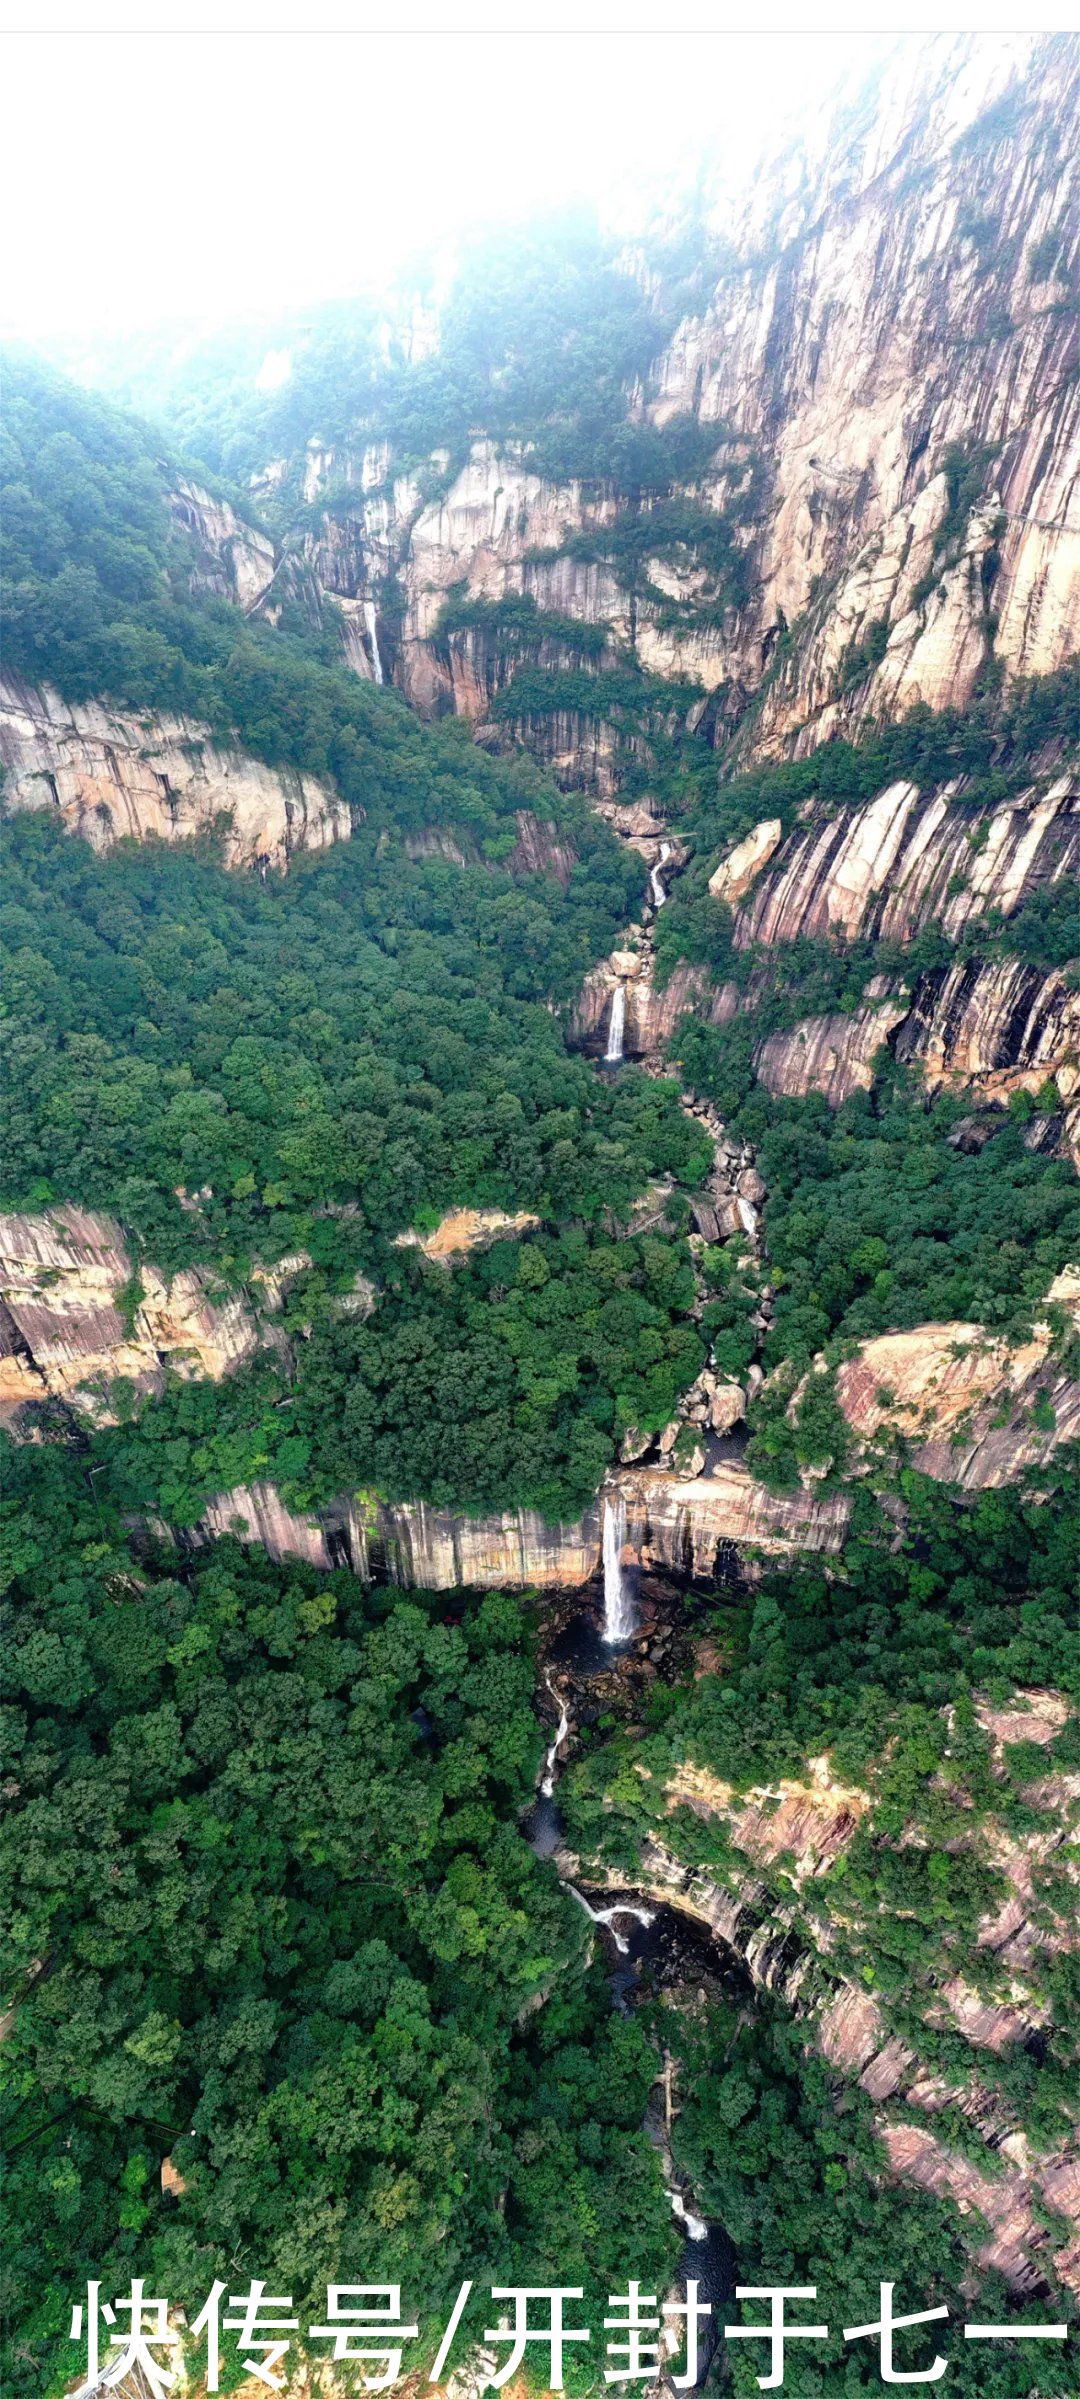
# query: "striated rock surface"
886,359
232,560
112,775
67,1333
690,1526
830,1054
731,880
1008,2202
996,1023
790,1835
652,1014
898,293
910,859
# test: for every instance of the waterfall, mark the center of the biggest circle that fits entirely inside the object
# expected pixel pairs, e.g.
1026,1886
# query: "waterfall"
618,1613
655,884
373,640
622,1907
695,2226
547,1781
616,1027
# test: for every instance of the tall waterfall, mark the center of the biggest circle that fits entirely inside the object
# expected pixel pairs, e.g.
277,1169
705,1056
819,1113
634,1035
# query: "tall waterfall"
616,1026
618,1612
655,882
373,640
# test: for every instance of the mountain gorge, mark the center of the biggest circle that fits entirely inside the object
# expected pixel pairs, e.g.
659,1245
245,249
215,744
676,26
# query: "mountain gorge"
544,1096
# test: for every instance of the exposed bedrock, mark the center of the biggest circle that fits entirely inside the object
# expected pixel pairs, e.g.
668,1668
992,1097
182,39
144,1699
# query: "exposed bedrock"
651,1015
833,1055
995,1022
977,1410
904,299
893,301
910,859
111,775
793,1833
232,560
686,1526
990,1026
71,1320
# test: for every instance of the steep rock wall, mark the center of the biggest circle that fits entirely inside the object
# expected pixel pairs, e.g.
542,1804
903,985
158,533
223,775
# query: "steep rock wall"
909,859
112,775
898,289
794,1833
686,1526
886,360
651,1014
978,1410
996,1023
232,560
65,1331
830,1054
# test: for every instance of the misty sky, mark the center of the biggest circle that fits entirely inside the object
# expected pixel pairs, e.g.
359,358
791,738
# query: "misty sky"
172,178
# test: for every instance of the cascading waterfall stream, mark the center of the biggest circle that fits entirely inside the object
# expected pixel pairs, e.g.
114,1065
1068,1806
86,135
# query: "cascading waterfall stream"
616,1027
618,1611
622,1907
694,2227
373,640
655,881
547,1779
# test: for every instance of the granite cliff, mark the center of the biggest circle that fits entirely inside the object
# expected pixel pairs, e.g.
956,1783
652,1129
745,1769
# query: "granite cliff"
884,362
114,776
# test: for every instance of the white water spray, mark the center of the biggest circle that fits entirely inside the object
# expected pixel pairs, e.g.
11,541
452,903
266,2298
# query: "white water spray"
655,883
622,1907
547,1780
695,2226
373,639
616,1026
618,1612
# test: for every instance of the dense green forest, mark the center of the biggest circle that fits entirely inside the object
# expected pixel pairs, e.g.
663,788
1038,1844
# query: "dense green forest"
270,1913
370,1034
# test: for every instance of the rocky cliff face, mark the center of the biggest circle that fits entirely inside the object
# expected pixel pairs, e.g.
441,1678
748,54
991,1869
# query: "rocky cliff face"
898,294
688,1526
232,560
996,1023
830,1054
885,362
910,859
72,1320
165,778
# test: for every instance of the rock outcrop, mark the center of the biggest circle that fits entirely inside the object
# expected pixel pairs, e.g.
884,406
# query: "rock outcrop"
231,560
651,1013
693,1526
978,1410
911,859
896,302
785,1839
830,1054
996,1024
465,1229
156,777
72,1319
